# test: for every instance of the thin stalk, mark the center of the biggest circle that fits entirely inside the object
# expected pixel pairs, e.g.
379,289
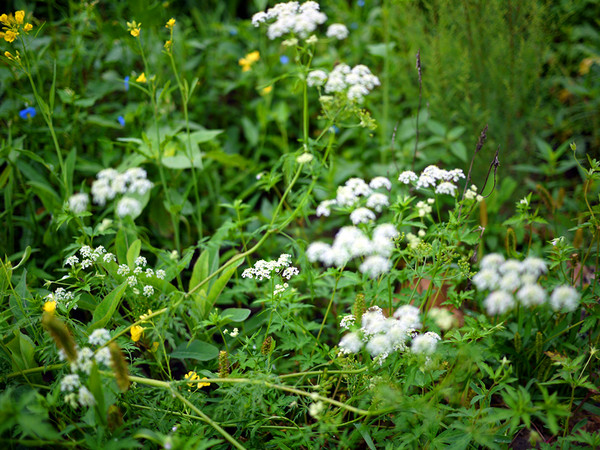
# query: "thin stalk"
337,280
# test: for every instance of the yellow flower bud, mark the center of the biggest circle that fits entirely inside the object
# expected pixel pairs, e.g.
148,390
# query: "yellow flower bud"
136,333
19,16
170,23
141,78
27,27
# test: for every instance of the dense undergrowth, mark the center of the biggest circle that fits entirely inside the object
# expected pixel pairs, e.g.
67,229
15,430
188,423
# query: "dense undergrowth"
349,225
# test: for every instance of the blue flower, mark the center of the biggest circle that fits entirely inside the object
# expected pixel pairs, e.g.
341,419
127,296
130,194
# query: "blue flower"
360,3
233,31
334,129
284,59
27,113
121,120
126,83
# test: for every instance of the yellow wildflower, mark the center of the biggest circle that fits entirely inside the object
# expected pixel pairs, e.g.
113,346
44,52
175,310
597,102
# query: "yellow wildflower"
136,333
247,61
10,36
134,28
168,45
4,19
193,376
50,306
27,27
266,90
19,16
154,347
141,78
170,23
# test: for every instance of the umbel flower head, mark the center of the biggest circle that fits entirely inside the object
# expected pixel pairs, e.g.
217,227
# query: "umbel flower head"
291,18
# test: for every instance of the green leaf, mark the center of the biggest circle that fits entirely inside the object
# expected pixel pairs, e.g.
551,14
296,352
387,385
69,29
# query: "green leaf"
107,307
459,150
199,137
230,160
381,50
250,131
236,314
95,384
133,252
198,350
200,271
215,290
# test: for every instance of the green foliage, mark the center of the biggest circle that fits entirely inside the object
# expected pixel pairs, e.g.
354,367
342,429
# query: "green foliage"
207,244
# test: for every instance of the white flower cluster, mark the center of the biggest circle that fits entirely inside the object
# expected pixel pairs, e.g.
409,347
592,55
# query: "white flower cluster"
110,183
350,242
442,180
265,269
337,31
511,281
355,82
62,296
78,203
76,392
348,196
382,336
91,256
291,17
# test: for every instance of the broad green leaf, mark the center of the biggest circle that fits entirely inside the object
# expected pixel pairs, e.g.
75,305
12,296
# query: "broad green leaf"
201,136
236,314
107,307
121,246
217,288
133,252
200,271
459,150
198,350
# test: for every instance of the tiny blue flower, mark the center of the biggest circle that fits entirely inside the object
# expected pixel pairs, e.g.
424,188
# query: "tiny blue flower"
126,83
233,32
121,120
334,129
284,59
360,3
27,113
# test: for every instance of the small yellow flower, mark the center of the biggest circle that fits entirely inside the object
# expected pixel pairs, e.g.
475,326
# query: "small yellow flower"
136,333
27,27
19,16
4,19
50,306
10,36
193,376
141,78
134,28
168,45
266,90
247,61
170,23
154,347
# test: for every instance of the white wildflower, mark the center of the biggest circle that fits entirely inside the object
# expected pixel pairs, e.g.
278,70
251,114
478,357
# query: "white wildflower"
85,397
362,215
316,78
304,158
564,298
69,383
531,294
128,206
375,265
324,208
407,177
102,356
148,290
347,321
337,31
350,343
486,279
377,201
492,261
498,302
425,344
99,337
71,260
378,345
446,188
379,182
78,203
